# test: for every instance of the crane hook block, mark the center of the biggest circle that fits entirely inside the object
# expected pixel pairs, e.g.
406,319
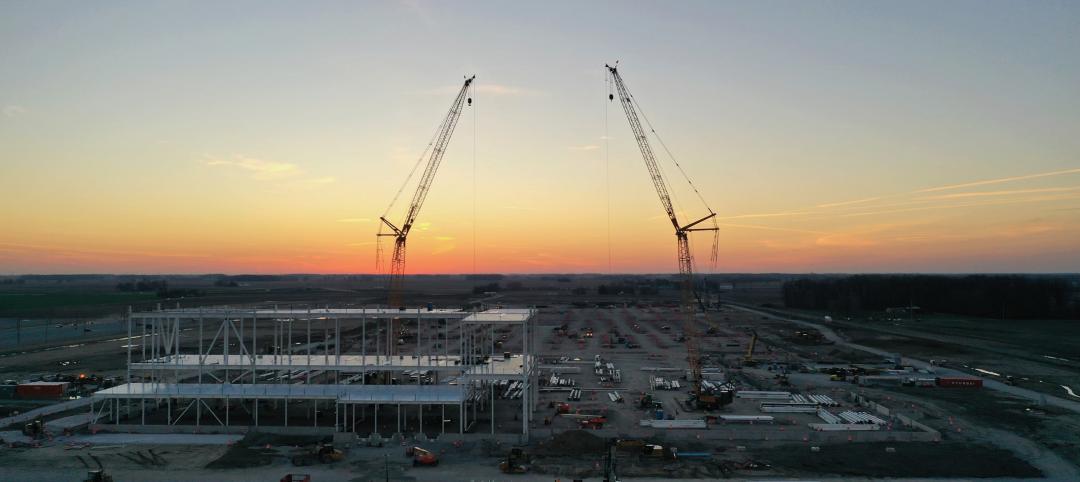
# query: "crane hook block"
611,97
470,100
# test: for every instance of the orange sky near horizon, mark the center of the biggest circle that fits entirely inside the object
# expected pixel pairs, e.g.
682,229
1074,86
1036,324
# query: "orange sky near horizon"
269,138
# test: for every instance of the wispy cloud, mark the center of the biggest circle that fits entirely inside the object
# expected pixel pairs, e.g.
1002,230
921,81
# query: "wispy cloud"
266,170
444,238
89,251
771,228
420,10
871,206
260,169
1029,229
586,147
13,110
444,248
843,240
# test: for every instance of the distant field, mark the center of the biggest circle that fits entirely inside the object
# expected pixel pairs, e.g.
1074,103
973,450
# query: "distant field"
1039,337
96,298
1055,337
61,302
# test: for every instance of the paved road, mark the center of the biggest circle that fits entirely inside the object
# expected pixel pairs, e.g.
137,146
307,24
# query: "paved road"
156,439
987,382
41,332
44,411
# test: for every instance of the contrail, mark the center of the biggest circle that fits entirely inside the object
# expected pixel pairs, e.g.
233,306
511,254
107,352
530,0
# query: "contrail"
1004,179
804,211
845,203
1002,193
772,228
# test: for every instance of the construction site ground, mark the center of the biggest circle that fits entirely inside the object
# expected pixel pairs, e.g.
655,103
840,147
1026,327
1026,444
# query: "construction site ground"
983,433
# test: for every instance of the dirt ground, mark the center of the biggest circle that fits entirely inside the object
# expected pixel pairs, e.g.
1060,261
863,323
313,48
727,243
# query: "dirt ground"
904,460
985,435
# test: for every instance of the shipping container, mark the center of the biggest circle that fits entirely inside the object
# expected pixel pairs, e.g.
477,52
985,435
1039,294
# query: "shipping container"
42,390
960,382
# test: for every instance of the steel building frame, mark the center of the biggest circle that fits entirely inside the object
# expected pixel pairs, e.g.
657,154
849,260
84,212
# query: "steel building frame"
198,377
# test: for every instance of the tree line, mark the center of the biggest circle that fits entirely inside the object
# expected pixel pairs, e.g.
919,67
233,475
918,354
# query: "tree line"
159,287
991,296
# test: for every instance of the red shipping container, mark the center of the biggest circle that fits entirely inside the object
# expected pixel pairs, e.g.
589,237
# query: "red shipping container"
41,390
960,382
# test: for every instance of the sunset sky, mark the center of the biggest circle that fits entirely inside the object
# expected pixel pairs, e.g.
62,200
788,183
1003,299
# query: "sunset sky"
268,137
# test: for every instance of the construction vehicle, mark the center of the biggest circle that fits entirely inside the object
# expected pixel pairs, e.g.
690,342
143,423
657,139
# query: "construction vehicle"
437,148
748,359
647,402
562,408
422,457
515,462
782,379
296,478
635,445
595,423
34,428
320,453
653,451
97,475
682,232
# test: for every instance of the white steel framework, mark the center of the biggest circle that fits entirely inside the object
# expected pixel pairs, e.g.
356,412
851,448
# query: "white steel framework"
214,369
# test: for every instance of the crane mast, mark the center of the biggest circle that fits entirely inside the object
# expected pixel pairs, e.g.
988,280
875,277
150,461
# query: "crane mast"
686,269
396,278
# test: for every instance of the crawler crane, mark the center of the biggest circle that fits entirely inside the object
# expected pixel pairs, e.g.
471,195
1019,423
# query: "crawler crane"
682,232
437,148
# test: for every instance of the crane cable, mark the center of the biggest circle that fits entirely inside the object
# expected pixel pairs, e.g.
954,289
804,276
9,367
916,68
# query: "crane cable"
672,195
713,255
416,166
379,235
668,151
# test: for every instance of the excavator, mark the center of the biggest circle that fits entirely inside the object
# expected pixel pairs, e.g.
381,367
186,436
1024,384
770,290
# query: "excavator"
321,453
748,360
